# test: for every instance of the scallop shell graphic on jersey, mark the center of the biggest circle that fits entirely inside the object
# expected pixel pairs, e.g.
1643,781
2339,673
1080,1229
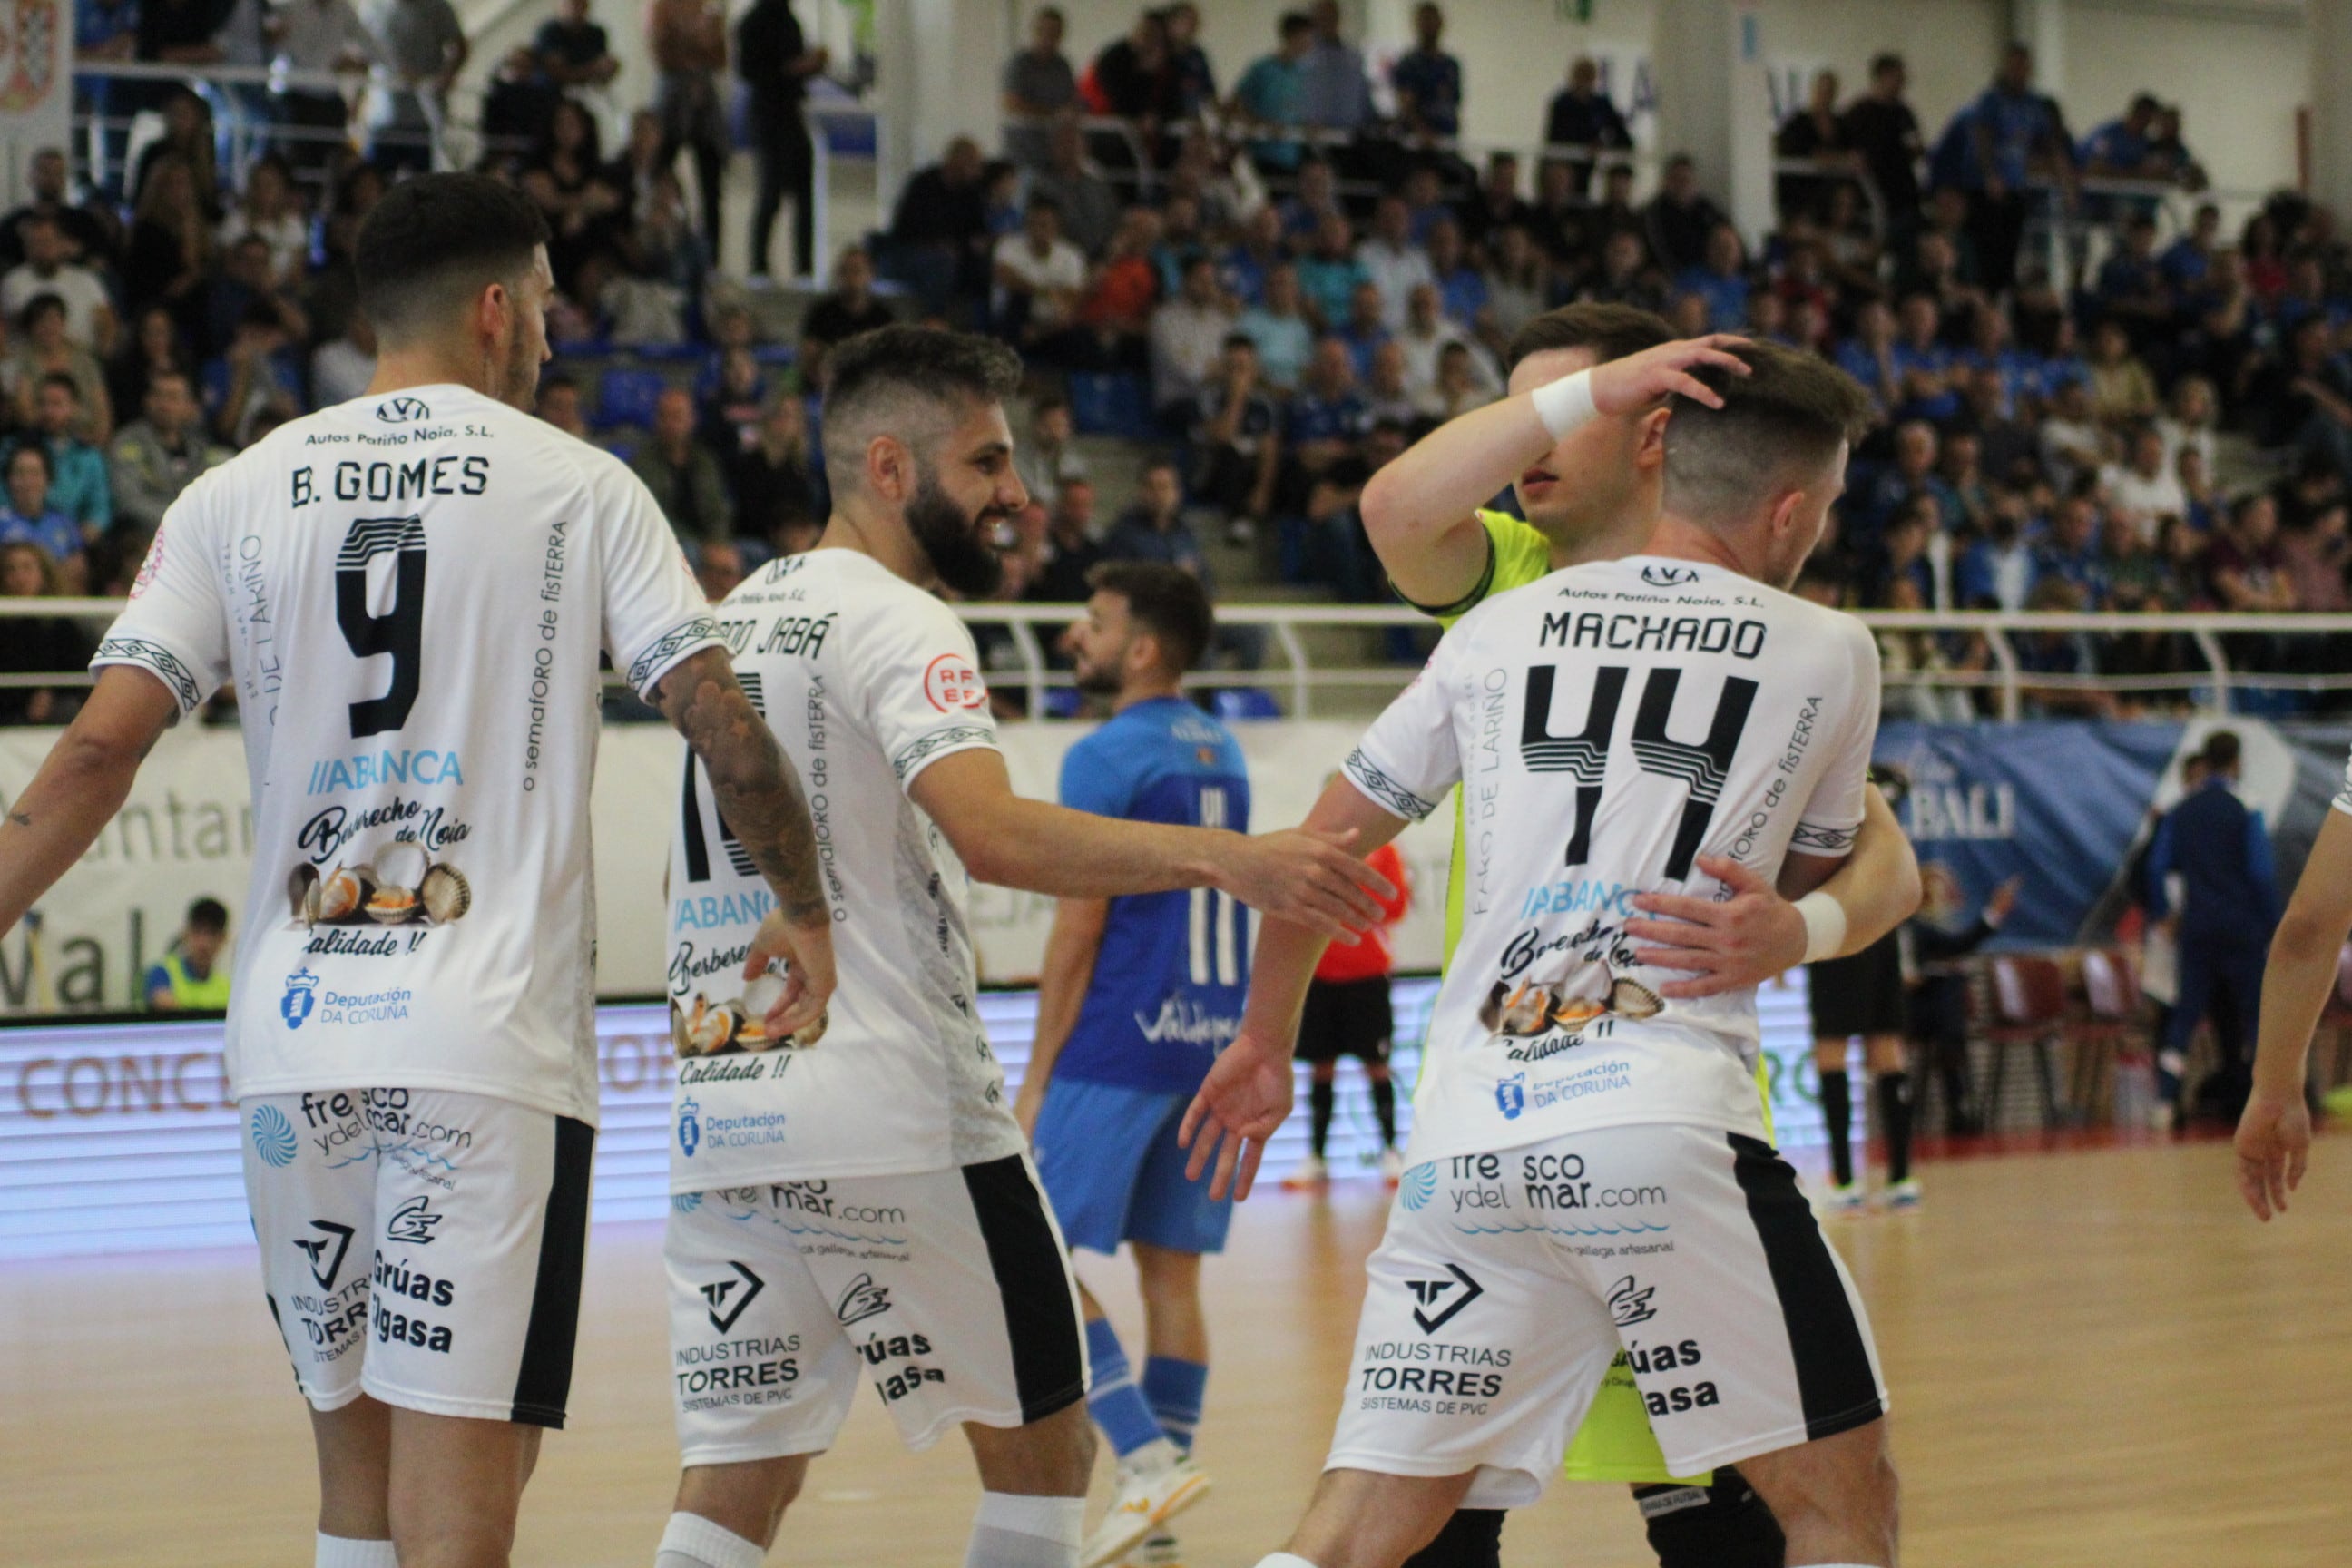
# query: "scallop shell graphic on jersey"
345,893
446,894
1526,1008
707,1028
1632,999
303,893
401,886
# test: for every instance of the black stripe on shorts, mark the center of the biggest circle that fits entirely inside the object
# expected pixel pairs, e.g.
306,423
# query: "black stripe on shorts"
543,1383
1040,1318
1834,1383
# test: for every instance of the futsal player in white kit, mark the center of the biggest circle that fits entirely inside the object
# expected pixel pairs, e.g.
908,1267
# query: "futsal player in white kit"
410,592
1590,1170
862,1208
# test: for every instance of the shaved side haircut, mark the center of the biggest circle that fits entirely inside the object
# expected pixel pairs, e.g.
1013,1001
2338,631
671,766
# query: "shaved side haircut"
1779,427
916,384
433,243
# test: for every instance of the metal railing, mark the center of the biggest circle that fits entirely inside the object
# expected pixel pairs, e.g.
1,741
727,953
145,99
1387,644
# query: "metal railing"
2009,678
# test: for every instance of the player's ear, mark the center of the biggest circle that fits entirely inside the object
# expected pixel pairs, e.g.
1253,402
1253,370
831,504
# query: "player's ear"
889,469
1650,438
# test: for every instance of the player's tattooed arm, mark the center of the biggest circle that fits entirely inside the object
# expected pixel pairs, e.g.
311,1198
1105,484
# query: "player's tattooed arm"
81,785
751,779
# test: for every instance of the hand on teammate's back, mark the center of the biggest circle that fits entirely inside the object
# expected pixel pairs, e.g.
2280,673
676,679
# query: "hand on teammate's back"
1247,1095
1740,942
2273,1146
1640,381
1309,878
808,980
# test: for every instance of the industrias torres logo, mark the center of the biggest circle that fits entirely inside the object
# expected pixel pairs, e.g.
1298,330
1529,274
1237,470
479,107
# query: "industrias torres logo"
689,1127
300,998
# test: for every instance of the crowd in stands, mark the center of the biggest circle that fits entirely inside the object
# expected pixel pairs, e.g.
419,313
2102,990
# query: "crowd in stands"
1286,281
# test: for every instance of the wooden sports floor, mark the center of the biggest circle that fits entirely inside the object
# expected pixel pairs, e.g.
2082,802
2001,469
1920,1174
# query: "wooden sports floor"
2098,1361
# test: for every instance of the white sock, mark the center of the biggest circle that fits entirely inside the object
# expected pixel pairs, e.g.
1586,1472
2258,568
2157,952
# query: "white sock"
690,1540
1013,1532
1151,1458
346,1552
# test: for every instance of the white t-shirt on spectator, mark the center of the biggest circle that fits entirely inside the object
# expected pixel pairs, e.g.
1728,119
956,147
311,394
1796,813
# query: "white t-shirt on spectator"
2142,499
412,592
2178,435
1187,340
1421,354
1064,266
1397,270
77,287
288,237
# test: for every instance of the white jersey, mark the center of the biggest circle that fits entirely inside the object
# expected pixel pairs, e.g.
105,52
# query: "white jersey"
1608,724
411,591
2343,801
867,680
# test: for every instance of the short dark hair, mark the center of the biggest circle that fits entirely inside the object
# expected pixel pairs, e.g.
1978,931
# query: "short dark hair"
1880,64
435,238
1610,332
34,450
1294,21
208,915
1167,602
876,375
2222,749
1789,415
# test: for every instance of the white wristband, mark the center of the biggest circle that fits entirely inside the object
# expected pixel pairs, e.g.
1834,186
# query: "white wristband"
1565,404
1825,919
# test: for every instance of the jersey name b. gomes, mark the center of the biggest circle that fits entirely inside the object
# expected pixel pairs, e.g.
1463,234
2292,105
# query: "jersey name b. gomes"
411,591
1170,976
1610,724
867,680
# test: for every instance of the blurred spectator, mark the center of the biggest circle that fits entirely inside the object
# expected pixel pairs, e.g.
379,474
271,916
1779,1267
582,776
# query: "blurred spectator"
1391,262
1496,206
44,350
1236,440
2123,389
775,481
1680,217
1903,555
1517,285
1816,134
774,60
1188,336
1037,85
2142,489
53,422
1335,94
1428,332
1242,269
688,39
2073,444
2009,135
87,235
1459,386
1365,327
191,975
1580,115
1996,572
89,317
1272,94
1336,549
316,37
1187,62
421,48
244,288
1461,288
1116,308
156,345
1089,208
170,251
939,244
2244,569
1038,277
1153,527
2132,287
342,368
1721,279
30,519
272,211
1386,396
849,310
2124,149
1070,551
730,411
2189,260
1427,81
1329,275
2313,558
2187,421
517,103
718,568
36,645
572,51
1047,460
1280,328
153,458
684,478
1625,278
253,381
559,404
1960,466
1313,201
2069,552
564,174
1912,473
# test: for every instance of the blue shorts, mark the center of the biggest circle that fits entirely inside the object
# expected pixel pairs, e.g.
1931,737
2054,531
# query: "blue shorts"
1110,1163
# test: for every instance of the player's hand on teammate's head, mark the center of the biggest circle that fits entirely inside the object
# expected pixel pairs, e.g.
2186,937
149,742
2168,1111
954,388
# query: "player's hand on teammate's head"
1728,946
1309,878
2273,1146
807,951
1247,1097
1640,381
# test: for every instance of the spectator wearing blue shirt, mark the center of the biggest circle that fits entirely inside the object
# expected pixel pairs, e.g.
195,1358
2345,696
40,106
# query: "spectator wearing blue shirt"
1996,572
1312,201
1721,280
2069,550
1461,288
2189,260
1868,356
1990,348
1365,329
1279,327
1242,269
29,517
2124,149
257,375
1924,367
2132,287
1336,93
2009,134
1913,473
78,485
2229,906
1329,275
1428,80
1273,93
1153,528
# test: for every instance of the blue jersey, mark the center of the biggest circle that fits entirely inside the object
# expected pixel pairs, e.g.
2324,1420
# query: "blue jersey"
1173,967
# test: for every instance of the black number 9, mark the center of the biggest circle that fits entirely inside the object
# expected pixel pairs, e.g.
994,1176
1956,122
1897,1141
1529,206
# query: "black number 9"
400,631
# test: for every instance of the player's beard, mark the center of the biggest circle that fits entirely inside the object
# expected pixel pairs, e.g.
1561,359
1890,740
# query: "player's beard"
1100,677
957,543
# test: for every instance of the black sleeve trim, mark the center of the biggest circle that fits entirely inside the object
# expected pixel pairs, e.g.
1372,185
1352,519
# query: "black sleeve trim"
1468,601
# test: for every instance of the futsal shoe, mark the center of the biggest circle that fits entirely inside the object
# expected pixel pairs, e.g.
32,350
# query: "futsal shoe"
1391,1165
1902,1194
1312,1174
1844,1198
1146,1500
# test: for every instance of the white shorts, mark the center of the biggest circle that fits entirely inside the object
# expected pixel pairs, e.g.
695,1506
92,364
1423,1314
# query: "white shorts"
424,1246
949,1290
1508,1283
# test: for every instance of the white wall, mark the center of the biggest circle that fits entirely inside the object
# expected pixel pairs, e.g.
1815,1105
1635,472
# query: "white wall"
2239,80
